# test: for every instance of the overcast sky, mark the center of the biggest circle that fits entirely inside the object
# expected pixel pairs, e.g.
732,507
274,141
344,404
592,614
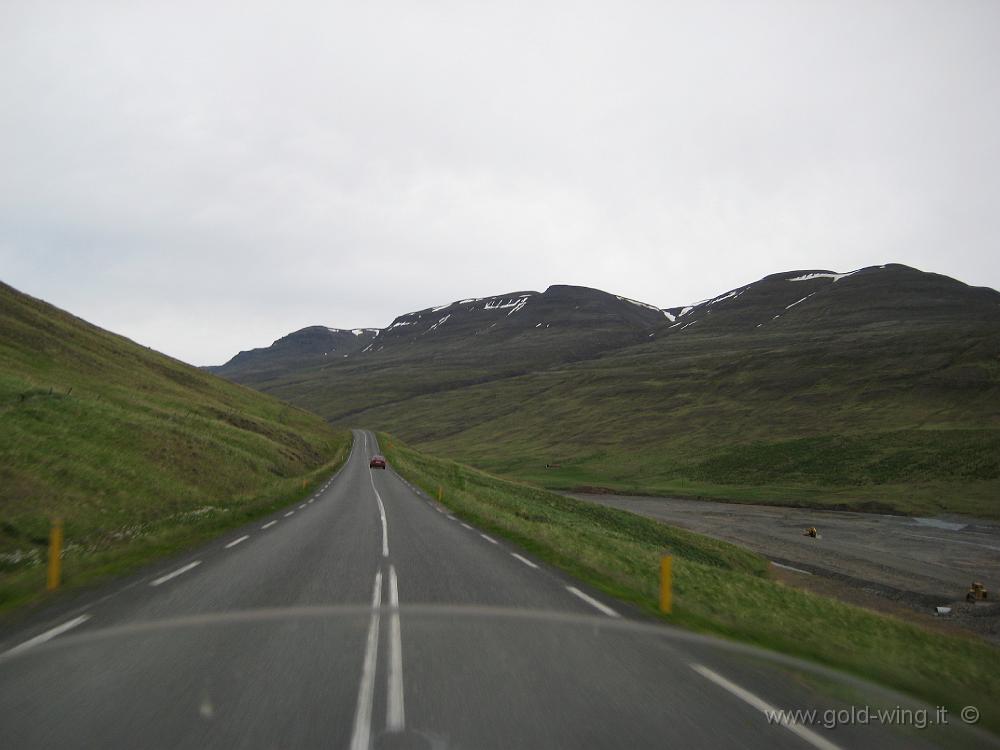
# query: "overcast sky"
205,177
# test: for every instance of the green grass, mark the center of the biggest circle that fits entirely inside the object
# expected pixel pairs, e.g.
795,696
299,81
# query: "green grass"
910,442
719,588
138,453
881,392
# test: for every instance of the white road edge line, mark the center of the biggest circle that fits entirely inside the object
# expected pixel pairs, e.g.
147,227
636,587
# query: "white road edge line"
237,541
395,716
48,635
764,707
525,560
467,526
592,601
789,567
290,513
381,513
175,573
489,539
268,525
361,735
302,507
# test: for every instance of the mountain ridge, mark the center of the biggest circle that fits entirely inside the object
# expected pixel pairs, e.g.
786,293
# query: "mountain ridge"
877,388
313,342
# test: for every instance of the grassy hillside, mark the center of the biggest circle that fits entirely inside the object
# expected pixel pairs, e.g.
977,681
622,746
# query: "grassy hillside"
903,420
139,453
718,587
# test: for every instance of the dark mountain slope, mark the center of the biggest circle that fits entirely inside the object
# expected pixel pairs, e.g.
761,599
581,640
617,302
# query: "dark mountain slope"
302,348
829,300
880,397
463,343
879,388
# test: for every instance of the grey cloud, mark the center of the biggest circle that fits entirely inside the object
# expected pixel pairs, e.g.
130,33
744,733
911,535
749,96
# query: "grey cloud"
206,177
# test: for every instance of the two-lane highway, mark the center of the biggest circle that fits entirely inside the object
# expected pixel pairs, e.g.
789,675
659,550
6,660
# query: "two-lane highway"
368,615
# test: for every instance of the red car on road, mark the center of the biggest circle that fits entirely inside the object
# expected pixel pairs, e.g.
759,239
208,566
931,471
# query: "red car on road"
377,462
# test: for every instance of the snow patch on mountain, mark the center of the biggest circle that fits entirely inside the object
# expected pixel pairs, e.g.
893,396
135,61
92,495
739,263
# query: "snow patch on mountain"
835,276
801,300
639,304
503,303
439,323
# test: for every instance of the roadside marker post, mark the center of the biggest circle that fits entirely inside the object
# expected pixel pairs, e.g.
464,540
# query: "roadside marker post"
666,584
55,555
440,493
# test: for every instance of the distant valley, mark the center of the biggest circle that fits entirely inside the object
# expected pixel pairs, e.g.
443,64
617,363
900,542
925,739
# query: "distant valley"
877,389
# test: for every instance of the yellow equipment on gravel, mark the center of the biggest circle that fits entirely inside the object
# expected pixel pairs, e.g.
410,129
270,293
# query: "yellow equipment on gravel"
977,593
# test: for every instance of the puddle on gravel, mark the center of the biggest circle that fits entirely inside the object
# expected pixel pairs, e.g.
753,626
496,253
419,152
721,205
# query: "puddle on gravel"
939,524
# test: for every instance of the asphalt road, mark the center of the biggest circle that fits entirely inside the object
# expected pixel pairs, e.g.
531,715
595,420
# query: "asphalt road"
368,616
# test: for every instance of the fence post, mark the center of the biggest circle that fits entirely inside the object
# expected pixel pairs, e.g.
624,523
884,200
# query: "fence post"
55,555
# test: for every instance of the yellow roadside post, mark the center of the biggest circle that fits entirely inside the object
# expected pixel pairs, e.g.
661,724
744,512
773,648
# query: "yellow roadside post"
440,493
55,554
666,584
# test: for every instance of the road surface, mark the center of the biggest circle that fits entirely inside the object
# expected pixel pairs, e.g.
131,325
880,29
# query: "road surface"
369,616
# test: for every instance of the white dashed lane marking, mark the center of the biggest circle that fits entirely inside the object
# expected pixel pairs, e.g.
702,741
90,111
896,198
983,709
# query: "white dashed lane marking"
237,541
592,601
525,560
175,573
48,635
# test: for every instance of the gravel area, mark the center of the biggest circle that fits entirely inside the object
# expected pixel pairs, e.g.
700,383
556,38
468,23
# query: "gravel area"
898,564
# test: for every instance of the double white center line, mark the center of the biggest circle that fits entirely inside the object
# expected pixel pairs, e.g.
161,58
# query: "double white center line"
381,513
360,738
395,717
395,714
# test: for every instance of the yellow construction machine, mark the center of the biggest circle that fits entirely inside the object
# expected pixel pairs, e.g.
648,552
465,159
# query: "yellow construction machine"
977,593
